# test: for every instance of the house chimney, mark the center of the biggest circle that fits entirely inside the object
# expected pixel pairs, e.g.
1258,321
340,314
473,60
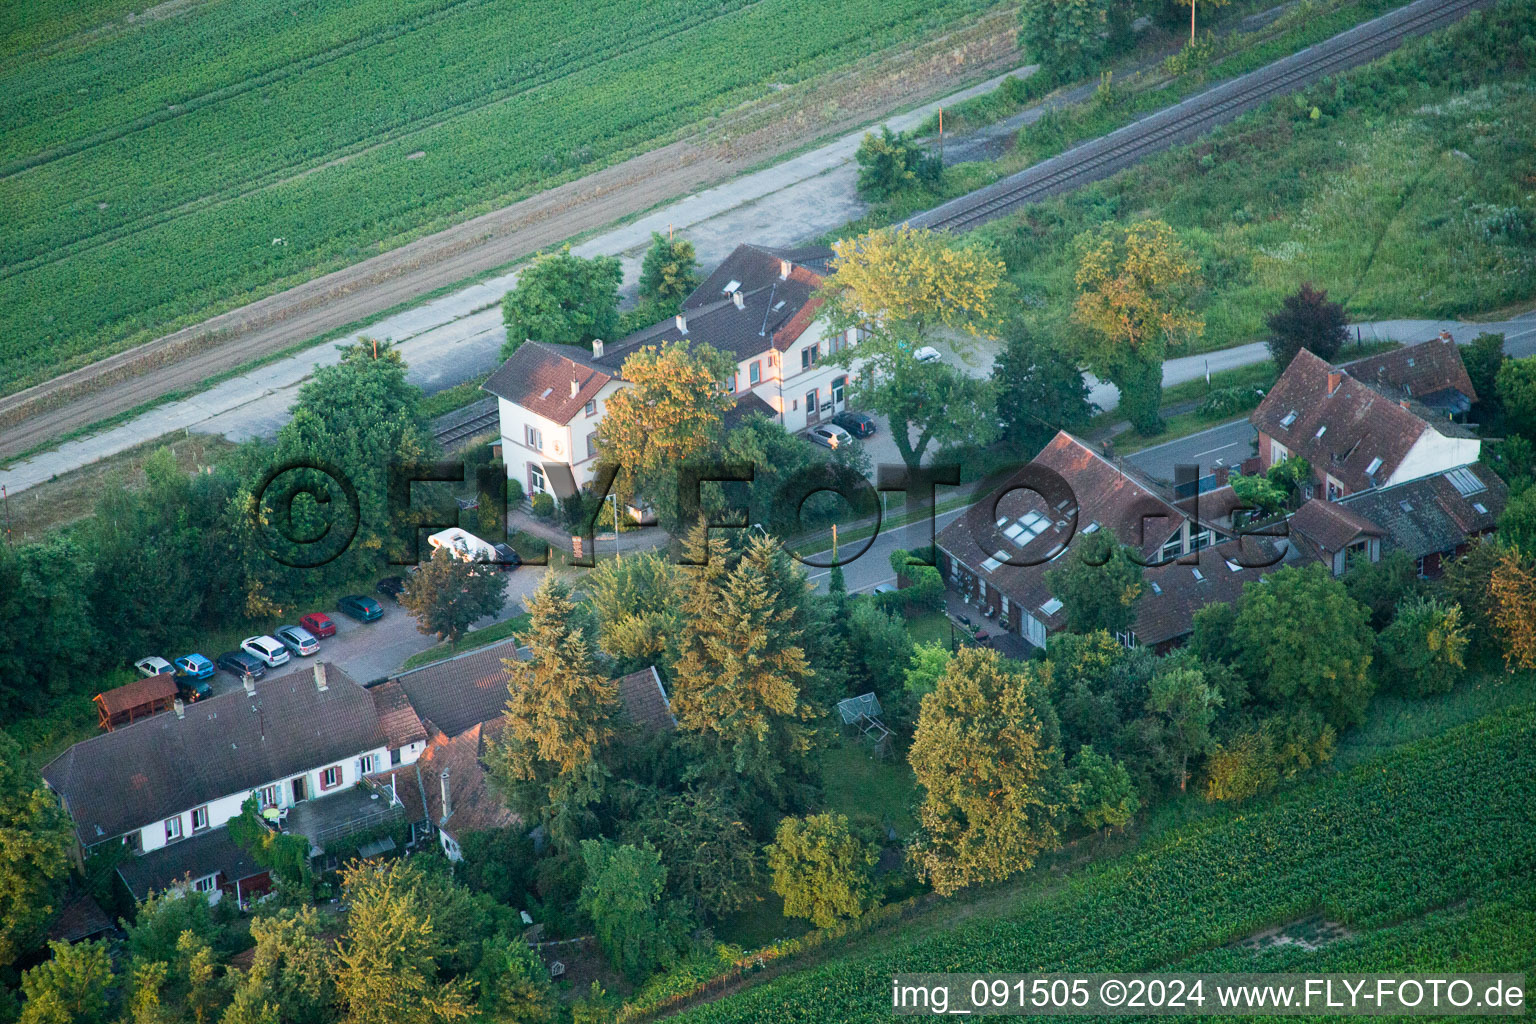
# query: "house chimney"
575,388
447,800
1446,336
1335,378
250,684
682,324
180,707
320,683
597,348
736,297
784,267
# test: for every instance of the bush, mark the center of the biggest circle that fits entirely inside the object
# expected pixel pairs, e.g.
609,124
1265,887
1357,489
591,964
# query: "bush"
1224,402
543,505
515,492
1254,762
1424,650
890,164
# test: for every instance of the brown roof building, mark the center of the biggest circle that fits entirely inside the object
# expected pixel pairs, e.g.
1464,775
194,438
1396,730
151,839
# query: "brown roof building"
1431,373
998,552
138,699
1353,435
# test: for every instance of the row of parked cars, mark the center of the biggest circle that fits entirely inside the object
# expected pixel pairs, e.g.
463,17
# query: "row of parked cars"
842,429
259,653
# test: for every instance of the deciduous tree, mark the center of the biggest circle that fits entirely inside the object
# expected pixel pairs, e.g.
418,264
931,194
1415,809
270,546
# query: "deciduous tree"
1040,390
1102,792
1186,706
890,164
985,753
669,270
558,719
447,594
387,972
1070,37
1098,585
1512,589
1517,525
35,838
624,896
1423,651
70,987
563,300
1516,388
1135,286
821,869
670,413
1306,320
1302,640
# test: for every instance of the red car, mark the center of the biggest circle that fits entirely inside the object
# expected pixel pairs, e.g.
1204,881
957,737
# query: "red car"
319,624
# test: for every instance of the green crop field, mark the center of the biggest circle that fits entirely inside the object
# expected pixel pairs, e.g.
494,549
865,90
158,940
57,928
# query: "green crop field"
158,166
1423,859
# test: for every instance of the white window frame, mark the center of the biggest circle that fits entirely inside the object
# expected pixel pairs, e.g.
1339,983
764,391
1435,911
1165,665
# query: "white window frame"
173,830
327,786
203,810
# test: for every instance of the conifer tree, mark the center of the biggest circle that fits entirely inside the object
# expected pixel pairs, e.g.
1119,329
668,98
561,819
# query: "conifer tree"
558,719
741,670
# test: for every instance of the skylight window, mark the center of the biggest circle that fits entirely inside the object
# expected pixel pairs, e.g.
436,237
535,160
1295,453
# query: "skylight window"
1199,576
1465,481
1051,607
1156,589
1288,419
1373,467
995,561
547,392
1233,566
1482,509
1321,431
1026,528
1410,360
1091,527
732,286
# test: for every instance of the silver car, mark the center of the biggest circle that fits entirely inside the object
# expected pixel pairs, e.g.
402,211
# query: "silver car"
266,650
831,435
298,640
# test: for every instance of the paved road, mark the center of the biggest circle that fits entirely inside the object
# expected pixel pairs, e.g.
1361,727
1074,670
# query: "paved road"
1226,445
459,336
873,567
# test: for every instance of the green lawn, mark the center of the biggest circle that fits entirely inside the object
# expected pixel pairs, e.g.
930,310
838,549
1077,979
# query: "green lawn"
861,785
479,638
1406,195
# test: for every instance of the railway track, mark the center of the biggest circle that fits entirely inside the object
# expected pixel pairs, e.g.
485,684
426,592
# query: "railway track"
449,436
1101,157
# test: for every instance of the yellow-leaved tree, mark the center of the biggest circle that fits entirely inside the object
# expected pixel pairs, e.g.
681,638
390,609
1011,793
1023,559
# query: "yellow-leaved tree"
1135,285
1512,587
897,286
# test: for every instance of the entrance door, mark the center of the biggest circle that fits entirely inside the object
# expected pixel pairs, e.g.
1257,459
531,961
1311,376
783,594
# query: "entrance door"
812,409
838,387
300,789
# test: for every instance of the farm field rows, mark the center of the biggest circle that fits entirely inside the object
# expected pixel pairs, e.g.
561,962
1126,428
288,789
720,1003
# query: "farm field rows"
1426,857
157,170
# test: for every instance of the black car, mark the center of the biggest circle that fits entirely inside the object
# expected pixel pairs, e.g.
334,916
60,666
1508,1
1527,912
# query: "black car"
238,663
507,557
391,587
856,423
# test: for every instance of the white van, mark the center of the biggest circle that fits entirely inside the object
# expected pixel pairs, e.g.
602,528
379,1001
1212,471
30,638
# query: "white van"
463,544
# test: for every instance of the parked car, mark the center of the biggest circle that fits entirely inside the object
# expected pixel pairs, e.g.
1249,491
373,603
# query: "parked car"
195,666
363,609
154,666
319,624
859,424
298,640
189,689
238,663
271,652
391,587
927,354
884,588
507,557
830,435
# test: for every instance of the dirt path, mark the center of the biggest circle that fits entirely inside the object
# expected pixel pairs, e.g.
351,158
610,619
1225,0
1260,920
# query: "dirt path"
186,358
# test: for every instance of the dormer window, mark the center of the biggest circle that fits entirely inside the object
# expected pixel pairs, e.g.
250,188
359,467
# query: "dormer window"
1288,419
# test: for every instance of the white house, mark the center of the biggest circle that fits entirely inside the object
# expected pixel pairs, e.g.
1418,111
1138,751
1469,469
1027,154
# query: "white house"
165,786
759,307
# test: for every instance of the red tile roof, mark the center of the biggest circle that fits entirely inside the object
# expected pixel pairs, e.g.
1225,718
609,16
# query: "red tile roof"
538,377
1417,370
1329,526
1172,593
1358,424
645,700
401,725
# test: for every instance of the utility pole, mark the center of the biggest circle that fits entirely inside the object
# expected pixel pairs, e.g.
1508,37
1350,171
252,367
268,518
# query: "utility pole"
1191,21
5,498
834,543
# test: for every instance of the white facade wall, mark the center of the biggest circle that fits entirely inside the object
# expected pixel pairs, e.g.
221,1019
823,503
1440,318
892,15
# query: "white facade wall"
561,442
153,835
1433,453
